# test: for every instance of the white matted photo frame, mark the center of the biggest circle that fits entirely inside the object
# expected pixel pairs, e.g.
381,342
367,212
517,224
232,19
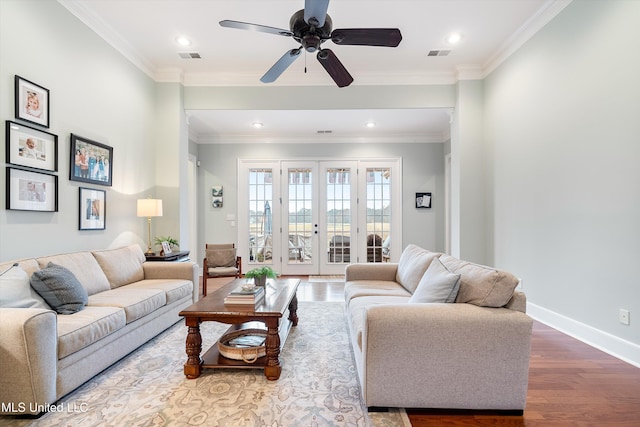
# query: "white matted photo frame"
31,191
90,161
30,147
31,102
92,209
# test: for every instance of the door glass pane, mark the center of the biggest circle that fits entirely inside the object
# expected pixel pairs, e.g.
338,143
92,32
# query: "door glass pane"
338,215
378,214
301,227
260,216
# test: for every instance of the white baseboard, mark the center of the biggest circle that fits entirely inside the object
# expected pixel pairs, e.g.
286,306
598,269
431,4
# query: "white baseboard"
604,341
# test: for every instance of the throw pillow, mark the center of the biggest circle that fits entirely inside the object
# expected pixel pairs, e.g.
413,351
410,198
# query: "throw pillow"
221,257
437,285
412,264
16,291
60,289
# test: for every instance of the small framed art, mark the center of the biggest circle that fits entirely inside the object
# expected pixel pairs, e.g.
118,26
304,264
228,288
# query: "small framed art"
31,147
216,196
92,209
423,200
31,191
31,102
90,161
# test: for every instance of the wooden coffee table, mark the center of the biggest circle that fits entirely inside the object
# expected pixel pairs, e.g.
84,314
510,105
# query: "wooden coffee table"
280,296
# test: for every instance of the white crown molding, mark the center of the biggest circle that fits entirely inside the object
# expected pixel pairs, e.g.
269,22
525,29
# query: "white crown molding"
104,30
433,138
534,24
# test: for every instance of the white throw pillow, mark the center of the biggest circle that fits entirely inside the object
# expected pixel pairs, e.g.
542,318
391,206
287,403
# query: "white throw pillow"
438,284
16,291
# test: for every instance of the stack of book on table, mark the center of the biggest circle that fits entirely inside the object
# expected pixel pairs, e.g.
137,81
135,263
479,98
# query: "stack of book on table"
245,297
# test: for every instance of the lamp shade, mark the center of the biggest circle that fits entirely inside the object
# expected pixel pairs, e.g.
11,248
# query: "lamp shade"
149,207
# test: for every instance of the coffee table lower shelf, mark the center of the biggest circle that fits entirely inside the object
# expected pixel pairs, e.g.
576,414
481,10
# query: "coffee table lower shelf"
213,359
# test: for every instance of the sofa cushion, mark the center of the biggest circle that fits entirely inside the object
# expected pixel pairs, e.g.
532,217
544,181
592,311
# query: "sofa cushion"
356,289
60,289
84,328
437,285
121,266
175,289
16,290
221,257
84,266
481,285
412,264
136,302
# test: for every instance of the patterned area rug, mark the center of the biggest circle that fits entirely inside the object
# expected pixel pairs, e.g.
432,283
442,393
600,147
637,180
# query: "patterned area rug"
318,385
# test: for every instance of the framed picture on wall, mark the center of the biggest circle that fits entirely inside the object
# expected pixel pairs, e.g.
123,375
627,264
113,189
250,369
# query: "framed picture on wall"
31,191
31,147
423,200
90,161
92,209
31,102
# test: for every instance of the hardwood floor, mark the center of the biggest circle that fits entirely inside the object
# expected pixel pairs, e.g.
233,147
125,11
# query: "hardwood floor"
570,383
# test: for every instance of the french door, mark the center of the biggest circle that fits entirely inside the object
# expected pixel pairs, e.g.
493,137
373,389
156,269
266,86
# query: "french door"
314,217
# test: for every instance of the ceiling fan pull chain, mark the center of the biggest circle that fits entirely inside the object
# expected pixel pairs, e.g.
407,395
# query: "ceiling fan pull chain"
305,62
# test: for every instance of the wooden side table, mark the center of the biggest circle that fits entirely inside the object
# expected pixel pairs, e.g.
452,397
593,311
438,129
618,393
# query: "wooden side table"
173,256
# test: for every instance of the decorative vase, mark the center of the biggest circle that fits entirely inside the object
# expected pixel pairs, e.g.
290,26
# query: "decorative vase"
260,280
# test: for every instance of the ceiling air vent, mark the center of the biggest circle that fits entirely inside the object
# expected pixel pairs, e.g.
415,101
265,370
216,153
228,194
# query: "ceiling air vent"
440,52
189,55
324,131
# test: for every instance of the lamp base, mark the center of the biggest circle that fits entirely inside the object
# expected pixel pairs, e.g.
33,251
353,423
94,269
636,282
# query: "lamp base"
149,252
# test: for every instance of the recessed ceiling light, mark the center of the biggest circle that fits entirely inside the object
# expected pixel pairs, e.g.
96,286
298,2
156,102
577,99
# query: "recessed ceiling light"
370,124
454,38
183,41
257,125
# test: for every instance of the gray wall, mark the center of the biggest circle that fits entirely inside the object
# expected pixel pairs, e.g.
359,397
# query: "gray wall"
562,126
422,167
96,93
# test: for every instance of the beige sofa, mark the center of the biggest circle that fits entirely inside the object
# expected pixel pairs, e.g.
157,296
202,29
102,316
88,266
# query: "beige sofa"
45,355
472,353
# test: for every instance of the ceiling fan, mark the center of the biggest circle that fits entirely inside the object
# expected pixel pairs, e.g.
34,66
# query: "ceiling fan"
311,27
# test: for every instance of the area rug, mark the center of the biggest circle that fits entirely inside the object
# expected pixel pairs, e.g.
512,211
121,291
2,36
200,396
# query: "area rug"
327,278
318,385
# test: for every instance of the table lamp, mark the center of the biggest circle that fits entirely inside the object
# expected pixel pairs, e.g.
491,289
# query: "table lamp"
149,208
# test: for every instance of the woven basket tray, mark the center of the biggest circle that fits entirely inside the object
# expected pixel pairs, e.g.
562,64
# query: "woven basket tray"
246,354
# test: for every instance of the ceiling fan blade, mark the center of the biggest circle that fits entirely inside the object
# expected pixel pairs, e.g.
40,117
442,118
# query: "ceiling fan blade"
255,27
280,65
315,9
389,37
334,67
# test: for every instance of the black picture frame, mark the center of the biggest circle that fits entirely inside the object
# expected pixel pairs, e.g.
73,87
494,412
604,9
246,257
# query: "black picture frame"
423,200
92,209
31,191
82,168
30,147
31,102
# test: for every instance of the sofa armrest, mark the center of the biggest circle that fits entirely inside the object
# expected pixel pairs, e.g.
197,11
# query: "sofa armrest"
174,270
371,271
465,356
28,358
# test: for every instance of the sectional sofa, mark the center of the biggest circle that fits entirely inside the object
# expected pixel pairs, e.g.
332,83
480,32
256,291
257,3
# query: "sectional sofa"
117,303
433,331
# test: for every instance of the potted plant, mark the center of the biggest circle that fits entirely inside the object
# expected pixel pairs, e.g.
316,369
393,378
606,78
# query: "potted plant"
260,275
173,243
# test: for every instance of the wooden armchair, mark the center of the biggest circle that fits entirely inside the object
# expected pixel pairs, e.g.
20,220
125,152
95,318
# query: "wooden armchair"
220,260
